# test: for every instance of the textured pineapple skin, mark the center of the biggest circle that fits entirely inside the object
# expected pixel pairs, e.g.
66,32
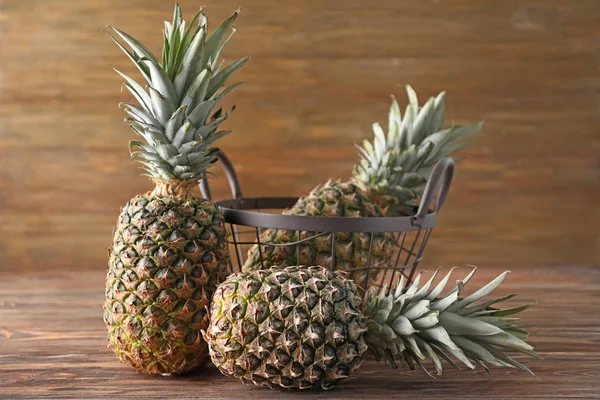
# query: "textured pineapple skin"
167,257
294,327
334,199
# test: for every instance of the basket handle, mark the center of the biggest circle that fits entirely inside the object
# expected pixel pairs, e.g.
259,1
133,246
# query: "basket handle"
234,183
444,171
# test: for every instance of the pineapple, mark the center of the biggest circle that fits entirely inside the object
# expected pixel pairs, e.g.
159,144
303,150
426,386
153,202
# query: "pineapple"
169,250
389,177
306,327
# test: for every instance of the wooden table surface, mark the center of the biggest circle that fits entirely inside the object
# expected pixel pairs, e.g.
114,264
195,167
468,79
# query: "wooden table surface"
53,345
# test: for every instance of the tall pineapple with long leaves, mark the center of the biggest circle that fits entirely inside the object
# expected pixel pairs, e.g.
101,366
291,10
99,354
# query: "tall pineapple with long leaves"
169,250
388,179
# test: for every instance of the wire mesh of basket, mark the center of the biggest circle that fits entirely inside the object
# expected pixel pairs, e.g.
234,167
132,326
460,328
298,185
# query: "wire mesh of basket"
247,218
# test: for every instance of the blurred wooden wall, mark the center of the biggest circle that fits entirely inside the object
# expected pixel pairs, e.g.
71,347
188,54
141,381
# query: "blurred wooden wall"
528,192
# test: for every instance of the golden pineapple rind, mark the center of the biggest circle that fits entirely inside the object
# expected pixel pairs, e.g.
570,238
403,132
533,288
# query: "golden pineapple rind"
295,328
167,257
334,199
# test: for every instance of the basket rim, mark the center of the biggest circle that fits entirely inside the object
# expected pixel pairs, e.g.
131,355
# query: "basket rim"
236,212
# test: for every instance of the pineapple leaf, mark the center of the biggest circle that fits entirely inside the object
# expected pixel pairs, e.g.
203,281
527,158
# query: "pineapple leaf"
500,322
151,135
161,82
412,289
219,79
394,120
474,350
402,326
500,356
184,134
141,114
445,302
216,136
146,156
511,311
440,335
141,145
379,141
197,91
175,122
440,286
508,340
225,91
192,53
204,131
425,288
422,122
484,291
440,352
179,160
412,345
218,53
483,305
430,353
427,321
138,92
439,106
166,150
134,58
461,283
213,44
139,49
416,310
199,115
188,147
458,325
412,99
160,105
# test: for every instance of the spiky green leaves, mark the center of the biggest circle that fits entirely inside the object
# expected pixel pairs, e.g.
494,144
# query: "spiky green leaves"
397,165
420,324
176,115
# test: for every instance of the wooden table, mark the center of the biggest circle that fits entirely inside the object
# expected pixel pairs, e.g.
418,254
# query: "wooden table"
53,345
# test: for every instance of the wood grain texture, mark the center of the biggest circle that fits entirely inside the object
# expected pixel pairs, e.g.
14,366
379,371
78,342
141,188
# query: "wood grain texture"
53,345
527,194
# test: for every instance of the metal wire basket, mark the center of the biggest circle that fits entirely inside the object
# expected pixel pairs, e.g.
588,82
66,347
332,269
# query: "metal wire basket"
247,217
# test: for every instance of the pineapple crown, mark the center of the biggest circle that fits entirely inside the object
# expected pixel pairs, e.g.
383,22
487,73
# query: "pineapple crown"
418,324
396,166
175,113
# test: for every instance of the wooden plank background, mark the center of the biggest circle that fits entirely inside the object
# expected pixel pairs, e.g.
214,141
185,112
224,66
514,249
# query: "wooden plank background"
528,192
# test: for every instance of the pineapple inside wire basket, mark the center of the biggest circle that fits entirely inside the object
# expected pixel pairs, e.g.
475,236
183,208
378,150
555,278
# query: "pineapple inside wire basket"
393,246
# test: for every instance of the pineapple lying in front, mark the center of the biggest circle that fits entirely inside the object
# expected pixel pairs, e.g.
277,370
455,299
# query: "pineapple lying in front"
305,327
390,175
169,250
